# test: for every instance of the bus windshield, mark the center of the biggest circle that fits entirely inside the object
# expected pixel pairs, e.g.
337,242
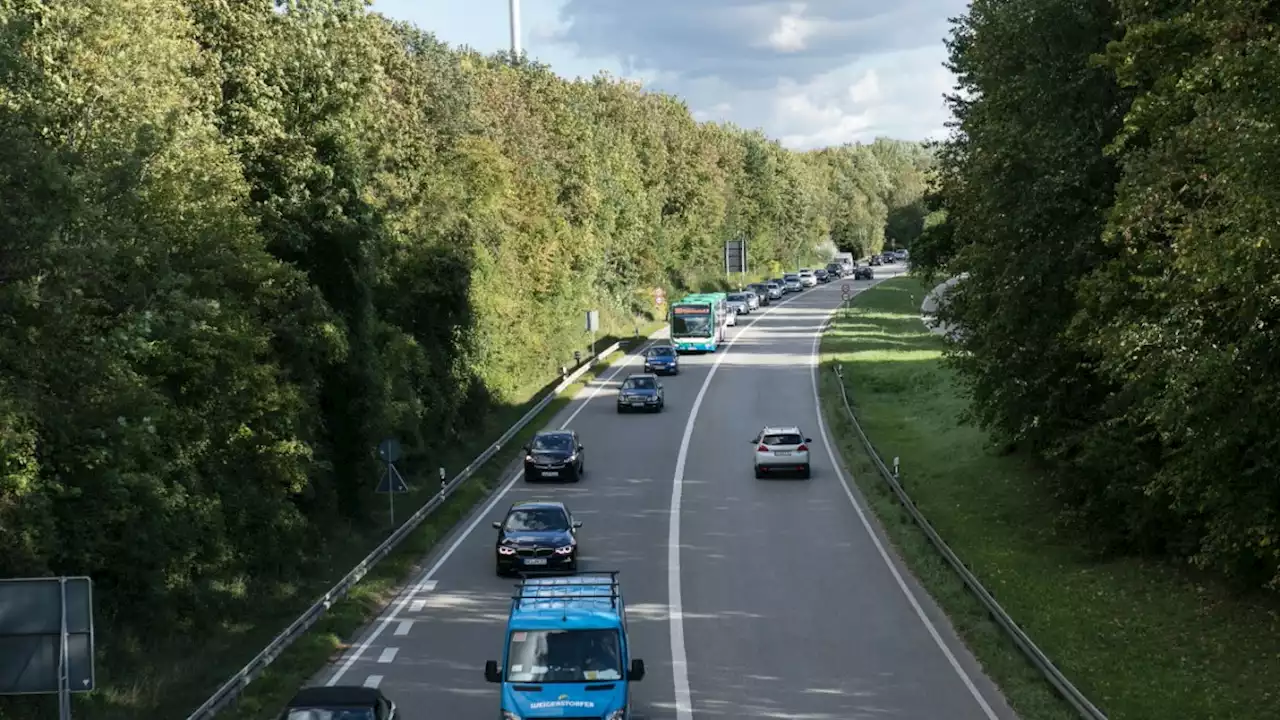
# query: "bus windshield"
691,326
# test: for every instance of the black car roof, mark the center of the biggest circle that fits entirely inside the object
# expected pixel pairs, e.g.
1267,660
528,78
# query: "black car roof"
553,433
534,504
338,694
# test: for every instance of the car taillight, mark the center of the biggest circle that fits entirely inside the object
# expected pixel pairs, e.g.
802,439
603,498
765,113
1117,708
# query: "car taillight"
762,448
803,448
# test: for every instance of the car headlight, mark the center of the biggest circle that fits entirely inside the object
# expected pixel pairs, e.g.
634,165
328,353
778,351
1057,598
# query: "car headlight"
620,714
508,715
503,550
564,550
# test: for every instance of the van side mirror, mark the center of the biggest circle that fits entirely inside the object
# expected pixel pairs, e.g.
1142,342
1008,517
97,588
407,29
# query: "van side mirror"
808,440
497,524
637,671
577,524
491,673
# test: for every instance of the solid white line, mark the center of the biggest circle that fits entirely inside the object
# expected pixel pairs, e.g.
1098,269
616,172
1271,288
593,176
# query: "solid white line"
815,361
427,581
373,681
404,627
679,659
388,655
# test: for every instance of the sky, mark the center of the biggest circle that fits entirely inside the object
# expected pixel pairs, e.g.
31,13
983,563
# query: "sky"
810,74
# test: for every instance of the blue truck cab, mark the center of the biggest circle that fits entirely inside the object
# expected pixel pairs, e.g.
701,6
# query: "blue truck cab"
566,652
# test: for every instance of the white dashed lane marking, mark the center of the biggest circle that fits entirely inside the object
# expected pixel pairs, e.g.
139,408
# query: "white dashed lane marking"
404,627
373,681
388,655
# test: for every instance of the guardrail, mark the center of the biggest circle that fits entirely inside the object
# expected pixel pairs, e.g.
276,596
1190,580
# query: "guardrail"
1069,692
234,688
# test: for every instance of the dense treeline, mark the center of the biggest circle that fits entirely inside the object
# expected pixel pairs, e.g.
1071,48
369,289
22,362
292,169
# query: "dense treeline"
240,243
1111,192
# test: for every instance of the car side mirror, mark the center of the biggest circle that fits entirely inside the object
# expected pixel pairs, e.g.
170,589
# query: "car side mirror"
659,386
395,710
637,671
580,448
526,448
808,440
497,524
577,524
491,673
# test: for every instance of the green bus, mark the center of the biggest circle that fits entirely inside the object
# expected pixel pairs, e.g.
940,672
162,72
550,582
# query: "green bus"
698,322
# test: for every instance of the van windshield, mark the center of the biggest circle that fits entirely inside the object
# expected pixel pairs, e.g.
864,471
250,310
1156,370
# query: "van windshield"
564,656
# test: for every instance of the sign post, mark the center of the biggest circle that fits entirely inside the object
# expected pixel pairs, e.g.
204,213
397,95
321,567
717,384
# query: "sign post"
735,257
47,638
392,482
593,326
846,297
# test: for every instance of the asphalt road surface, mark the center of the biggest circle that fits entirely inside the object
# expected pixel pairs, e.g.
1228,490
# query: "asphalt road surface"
747,598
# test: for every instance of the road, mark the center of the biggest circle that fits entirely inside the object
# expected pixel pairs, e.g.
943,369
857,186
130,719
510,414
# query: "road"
786,603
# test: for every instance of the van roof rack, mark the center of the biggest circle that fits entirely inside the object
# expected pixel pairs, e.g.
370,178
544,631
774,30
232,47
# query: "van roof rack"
541,591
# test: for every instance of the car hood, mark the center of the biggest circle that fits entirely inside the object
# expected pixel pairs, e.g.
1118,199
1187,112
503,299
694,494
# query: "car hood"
638,392
548,537
660,359
555,700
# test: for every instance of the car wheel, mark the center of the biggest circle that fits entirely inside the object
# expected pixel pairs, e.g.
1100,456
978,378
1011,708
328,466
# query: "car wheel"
805,473
573,565
498,571
577,475
758,475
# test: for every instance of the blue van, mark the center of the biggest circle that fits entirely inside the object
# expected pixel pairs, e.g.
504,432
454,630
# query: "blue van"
567,653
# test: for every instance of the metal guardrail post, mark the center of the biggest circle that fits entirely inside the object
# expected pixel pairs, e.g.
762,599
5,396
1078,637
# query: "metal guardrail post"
233,688
1038,659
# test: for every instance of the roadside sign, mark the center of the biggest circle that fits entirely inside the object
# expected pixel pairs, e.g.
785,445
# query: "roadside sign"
844,288
845,294
659,296
389,450
46,636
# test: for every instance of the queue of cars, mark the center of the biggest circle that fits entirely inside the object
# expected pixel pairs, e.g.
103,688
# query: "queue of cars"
566,651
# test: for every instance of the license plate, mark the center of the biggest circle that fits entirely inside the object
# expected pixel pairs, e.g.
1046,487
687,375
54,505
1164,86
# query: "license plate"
637,403
535,561
550,473
782,453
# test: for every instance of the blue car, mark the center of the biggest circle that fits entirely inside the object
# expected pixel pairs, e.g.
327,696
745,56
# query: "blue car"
662,360
567,652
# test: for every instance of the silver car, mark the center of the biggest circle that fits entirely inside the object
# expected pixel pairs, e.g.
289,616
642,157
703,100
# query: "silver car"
781,450
793,283
753,298
738,303
775,290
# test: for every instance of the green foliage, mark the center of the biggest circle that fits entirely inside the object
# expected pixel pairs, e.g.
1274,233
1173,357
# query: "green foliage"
243,243
1109,191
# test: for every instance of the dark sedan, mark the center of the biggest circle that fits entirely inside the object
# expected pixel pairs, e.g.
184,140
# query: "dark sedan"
863,272
554,454
641,392
537,535
340,702
762,291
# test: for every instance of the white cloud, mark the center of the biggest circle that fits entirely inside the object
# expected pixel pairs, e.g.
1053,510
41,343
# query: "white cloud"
815,73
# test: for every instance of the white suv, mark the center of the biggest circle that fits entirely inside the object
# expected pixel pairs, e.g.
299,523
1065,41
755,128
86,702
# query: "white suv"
781,450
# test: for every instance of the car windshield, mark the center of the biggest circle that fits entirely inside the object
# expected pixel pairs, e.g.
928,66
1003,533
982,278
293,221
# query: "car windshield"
781,439
330,713
737,298
536,520
792,277
691,326
564,656
639,383
553,443
664,351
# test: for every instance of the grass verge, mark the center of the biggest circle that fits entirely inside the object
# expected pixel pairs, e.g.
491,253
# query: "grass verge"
1141,639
